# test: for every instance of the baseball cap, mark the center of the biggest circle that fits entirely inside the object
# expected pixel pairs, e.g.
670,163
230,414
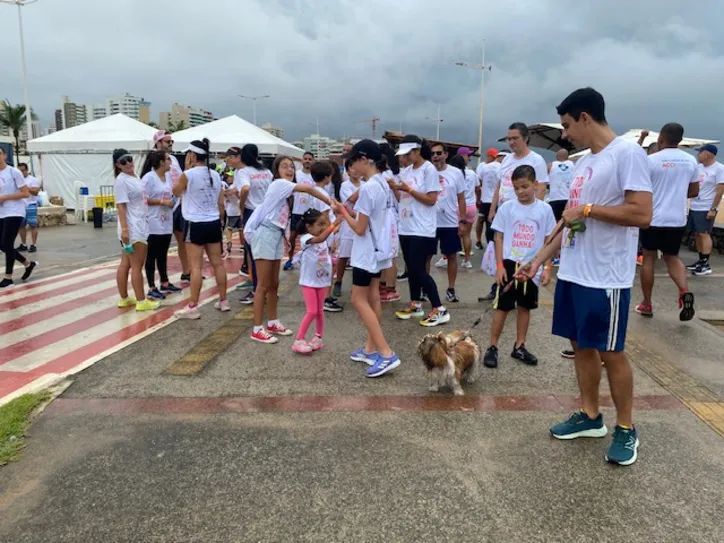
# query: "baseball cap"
504,152
405,148
492,152
160,135
709,147
366,149
118,154
464,151
233,151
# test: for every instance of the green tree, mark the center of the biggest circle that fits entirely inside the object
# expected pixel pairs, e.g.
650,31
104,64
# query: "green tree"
181,125
13,118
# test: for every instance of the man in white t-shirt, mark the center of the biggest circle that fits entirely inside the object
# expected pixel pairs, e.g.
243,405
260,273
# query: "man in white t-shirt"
705,206
487,173
31,211
302,201
560,175
674,179
611,196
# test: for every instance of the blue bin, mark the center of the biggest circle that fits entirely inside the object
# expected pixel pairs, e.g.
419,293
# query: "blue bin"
84,191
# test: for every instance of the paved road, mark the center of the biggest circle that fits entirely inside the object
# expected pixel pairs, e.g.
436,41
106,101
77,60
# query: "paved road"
194,433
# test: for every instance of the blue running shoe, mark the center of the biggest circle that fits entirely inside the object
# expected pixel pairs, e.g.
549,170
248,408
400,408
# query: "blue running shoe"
624,446
580,425
383,365
154,294
170,288
288,265
361,356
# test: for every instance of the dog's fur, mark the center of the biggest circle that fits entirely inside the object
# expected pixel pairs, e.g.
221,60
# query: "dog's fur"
448,357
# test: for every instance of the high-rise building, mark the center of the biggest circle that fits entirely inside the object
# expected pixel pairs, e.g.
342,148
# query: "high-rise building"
273,130
187,115
144,112
59,119
322,146
126,104
71,114
96,111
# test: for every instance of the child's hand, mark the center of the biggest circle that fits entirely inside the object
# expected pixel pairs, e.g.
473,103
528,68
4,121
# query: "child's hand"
501,276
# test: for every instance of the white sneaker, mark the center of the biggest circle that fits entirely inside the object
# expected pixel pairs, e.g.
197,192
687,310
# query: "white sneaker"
222,305
467,265
442,263
188,312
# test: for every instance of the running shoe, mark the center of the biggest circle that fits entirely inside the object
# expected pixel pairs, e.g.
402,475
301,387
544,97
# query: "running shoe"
442,263
451,296
461,253
692,267
185,277
29,269
126,302
389,296
645,310
262,336
228,247
686,304
288,265
22,247
337,290
331,306
639,260
568,353
524,355
170,288
279,329
147,305
556,262
701,269
155,294
413,311
316,343
301,347
467,265
490,360
244,270
491,295
624,447
383,365
32,249
478,245
6,283
246,285
361,356
248,299
402,276
579,424
222,305
436,318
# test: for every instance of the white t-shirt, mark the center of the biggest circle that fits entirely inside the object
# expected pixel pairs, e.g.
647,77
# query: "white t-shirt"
345,192
417,219
11,181
508,166
32,183
258,182
524,229
231,203
489,180
302,199
471,181
316,263
604,256
672,170
173,176
274,209
320,206
452,183
201,197
709,178
372,202
160,218
130,191
560,178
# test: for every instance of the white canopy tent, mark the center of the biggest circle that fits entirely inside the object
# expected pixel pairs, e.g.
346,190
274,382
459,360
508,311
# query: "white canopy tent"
235,131
83,153
635,133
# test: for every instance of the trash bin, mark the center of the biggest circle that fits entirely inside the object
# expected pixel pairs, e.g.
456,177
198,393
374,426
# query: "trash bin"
97,217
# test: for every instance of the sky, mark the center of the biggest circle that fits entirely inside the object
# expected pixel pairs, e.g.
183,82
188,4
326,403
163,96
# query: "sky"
344,61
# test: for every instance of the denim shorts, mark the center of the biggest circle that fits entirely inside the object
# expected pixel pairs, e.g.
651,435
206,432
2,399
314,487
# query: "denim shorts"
268,242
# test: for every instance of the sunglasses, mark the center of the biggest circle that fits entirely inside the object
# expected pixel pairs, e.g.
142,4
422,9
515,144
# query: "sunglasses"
438,153
125,161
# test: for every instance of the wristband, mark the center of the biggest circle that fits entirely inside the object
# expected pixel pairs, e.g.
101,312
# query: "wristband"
344,211
500,266
587,210
331,229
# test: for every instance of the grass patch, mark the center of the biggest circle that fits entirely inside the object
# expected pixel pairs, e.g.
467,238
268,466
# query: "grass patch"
14,421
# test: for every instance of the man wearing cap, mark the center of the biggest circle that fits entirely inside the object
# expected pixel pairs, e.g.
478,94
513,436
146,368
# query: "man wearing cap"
705,206
472,195
487,173
163,141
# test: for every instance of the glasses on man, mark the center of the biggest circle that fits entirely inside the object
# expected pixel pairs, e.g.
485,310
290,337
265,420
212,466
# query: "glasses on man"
438,153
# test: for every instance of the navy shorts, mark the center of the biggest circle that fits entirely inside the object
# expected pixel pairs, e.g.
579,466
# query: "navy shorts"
699,223
558,207
449,241
595,318
295,222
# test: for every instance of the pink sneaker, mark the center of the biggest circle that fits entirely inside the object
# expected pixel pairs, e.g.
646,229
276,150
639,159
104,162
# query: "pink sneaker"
316,343
390,296
189,312
262,336
279,329
302,347
222,305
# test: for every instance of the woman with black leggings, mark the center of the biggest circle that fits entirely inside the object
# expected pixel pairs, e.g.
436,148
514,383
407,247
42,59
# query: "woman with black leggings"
160,221
13,191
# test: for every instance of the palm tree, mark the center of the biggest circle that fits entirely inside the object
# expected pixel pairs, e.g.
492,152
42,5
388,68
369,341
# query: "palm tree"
13,118
181,125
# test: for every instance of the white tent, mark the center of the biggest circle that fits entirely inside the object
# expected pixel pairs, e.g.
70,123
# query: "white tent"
83,153
235,131
635,133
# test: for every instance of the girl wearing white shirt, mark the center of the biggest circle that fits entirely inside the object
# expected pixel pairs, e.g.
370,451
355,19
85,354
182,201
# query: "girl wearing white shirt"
264,231
158,187
203,206
130,199
13,191
347,195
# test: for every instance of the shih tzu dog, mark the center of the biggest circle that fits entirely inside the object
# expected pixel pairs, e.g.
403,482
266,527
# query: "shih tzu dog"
449,357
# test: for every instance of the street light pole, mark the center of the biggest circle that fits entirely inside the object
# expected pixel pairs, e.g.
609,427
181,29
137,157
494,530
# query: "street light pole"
438,121
482,67
253,101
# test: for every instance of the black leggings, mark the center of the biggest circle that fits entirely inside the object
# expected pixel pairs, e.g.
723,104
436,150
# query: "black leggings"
156,256
248,257
416,250
9,227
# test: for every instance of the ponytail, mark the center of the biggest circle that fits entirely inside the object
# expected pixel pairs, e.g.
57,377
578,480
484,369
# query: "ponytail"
310,216
207,145
425,150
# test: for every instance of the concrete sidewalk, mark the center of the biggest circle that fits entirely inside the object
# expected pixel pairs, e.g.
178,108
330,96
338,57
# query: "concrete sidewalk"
264,445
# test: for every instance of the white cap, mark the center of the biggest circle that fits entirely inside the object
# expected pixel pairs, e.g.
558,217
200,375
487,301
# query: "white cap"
406,148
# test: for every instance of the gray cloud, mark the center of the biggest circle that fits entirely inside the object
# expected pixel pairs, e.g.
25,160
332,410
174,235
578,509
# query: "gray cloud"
345,61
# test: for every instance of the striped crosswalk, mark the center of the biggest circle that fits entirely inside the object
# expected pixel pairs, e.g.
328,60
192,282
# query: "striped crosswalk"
60,325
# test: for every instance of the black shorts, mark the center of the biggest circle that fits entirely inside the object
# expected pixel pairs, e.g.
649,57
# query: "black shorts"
558,207
449,241
662,238
203,233
484,210
522,294
233,223
699,224
295,222
245,216
363,278
179,224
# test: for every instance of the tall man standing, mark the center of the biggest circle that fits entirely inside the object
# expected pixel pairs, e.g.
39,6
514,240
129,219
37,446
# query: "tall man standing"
611,193
31,212
302,201
487,173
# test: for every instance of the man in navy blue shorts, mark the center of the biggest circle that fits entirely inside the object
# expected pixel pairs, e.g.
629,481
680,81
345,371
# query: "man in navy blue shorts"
611,194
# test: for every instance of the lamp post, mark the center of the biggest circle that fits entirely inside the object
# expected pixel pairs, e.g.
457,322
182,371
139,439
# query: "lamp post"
482,67
438,121
253,101
28,111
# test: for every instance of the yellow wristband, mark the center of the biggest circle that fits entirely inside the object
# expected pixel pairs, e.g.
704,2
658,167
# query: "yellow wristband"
587,210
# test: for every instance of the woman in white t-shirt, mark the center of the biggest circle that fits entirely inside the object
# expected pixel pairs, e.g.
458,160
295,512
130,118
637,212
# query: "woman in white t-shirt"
264,231
203,206
158,188
371,253
130,197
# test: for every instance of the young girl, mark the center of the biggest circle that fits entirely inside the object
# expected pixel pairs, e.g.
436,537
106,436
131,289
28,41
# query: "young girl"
315,275
264,231
371,253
